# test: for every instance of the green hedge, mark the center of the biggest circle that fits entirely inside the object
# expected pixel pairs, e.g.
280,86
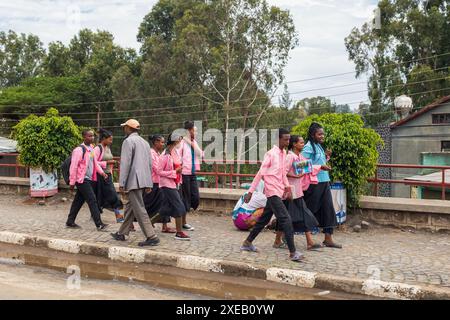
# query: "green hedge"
354,148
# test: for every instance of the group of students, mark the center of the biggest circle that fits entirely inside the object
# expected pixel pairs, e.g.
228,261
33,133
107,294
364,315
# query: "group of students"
300,202
161,181
157,181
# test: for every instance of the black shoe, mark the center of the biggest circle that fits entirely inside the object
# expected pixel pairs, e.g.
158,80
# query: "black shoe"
149,242
72,225
102,227
118,237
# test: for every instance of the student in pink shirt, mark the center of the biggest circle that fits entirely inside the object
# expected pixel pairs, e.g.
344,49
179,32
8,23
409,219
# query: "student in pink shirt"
303,219
276,187
154,200
169,174
83,175
191,157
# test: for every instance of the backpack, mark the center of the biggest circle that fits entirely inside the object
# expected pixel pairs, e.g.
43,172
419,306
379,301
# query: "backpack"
65,166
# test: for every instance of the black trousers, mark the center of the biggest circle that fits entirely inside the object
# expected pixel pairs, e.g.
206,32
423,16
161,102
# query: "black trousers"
85,193
275,206
190,192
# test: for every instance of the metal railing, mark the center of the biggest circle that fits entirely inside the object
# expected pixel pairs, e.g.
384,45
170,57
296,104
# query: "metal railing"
20,171
417,183
227,172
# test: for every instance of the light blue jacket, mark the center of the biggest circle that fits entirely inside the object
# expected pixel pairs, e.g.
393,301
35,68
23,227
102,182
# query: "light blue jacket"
318,158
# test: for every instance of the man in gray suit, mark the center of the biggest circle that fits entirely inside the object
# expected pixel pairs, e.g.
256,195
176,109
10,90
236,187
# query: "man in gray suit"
136,180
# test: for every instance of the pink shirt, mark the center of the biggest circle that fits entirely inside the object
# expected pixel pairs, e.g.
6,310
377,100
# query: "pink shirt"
298,185
273,172
186,156
155,159
166,171
78,165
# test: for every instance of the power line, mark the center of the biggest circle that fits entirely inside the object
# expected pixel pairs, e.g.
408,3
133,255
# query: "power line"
198,94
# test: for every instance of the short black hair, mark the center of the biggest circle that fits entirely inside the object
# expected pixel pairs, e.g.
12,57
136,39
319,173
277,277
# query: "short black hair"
188,125
85,131
104,134
155,137
282,132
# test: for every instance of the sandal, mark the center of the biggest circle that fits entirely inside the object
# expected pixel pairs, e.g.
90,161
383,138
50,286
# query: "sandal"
297,257
249,248
314,247
169,230
281,245
332,245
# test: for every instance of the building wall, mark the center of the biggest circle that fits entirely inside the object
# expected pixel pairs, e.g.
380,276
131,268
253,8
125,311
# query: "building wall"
411,139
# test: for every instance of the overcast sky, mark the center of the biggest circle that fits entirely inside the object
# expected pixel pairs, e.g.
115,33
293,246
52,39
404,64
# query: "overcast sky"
322,25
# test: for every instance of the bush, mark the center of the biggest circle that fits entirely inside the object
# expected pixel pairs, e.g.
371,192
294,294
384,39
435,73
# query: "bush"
46,141
354,148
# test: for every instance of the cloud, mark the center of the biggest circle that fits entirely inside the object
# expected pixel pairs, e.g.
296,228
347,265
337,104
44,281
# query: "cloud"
322,25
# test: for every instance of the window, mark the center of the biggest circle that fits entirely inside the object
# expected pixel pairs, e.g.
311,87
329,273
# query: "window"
445,146
441,118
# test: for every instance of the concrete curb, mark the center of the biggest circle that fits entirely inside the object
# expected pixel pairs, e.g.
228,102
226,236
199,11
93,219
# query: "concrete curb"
298,278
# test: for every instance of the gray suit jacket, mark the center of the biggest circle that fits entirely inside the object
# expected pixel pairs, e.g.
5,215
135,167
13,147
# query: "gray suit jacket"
135,163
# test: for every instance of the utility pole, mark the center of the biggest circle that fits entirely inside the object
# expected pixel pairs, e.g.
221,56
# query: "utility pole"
98,117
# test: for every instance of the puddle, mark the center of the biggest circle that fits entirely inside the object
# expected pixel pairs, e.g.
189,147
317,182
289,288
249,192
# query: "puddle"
207,284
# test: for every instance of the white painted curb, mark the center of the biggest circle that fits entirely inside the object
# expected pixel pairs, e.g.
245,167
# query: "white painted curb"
392,290
69,246
199,263
125,254
13,238
298,278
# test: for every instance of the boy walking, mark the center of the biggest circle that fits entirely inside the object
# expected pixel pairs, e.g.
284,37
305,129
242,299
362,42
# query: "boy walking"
83,174
276,187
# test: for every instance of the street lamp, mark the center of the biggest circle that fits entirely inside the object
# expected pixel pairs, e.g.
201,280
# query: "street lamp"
403,106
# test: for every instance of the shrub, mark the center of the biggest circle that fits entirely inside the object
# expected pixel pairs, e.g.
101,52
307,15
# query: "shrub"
46,141
354,148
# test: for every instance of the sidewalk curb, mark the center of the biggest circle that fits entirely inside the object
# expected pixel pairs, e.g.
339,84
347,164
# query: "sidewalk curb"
298,278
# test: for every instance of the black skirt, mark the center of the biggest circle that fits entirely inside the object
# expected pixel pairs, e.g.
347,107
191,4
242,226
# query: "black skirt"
303,220
153,202
172,206
107,197
319,200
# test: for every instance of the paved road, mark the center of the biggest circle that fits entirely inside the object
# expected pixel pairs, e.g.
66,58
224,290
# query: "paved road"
391,254
44,284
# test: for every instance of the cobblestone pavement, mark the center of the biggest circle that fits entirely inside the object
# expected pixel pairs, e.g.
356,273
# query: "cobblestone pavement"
391,254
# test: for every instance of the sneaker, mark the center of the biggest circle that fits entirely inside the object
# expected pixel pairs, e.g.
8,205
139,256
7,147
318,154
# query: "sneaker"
102,227
149,242
182,236
118,237
188,227
72,226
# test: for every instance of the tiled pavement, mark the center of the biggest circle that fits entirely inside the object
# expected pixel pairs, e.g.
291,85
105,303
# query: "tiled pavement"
392,254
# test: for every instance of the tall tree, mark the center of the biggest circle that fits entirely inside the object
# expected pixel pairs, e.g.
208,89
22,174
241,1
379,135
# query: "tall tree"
285,99
413,35
21,57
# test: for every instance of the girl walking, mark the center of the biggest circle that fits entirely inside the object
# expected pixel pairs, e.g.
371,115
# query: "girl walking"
318,196
107,197
154,200
303,220
169,171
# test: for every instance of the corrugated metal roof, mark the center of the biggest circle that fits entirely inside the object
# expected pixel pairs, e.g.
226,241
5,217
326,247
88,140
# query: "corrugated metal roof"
7,145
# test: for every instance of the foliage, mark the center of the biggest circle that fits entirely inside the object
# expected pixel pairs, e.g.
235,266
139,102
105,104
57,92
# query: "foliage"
20,57
354,149
412,44
321,105
46,141
42,91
